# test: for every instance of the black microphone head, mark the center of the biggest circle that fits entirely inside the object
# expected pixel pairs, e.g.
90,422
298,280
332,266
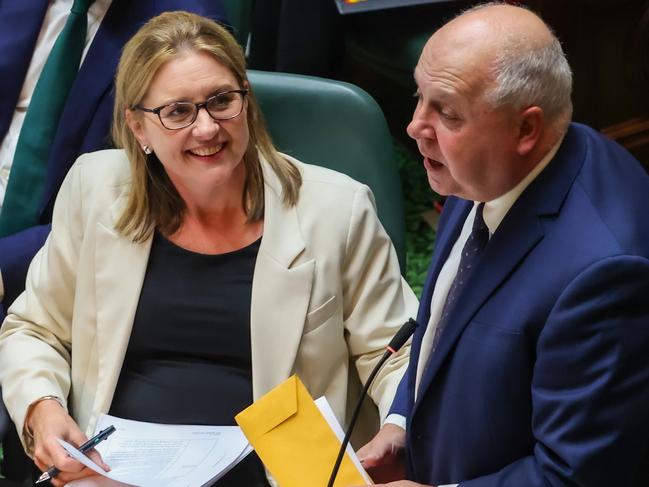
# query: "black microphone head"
405,332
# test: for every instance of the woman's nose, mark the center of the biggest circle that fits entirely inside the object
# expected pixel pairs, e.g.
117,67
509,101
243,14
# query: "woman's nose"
204,125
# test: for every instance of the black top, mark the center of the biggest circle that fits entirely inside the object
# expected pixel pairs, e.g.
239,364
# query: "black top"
188,359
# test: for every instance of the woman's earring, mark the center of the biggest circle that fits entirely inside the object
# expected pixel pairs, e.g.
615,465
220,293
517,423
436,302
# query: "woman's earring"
147,150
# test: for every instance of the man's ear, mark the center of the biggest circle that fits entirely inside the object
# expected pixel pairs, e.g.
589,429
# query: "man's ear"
135,124
530,129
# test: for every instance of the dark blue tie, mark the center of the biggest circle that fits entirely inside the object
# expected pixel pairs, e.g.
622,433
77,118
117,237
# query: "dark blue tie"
470,254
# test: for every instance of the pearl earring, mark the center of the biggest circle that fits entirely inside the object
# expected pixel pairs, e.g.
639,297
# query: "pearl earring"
147,150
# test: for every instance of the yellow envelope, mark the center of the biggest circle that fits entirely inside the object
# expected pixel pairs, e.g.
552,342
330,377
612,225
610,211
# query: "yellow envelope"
294,440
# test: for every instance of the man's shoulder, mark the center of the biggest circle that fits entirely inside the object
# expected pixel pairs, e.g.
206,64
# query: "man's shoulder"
613,188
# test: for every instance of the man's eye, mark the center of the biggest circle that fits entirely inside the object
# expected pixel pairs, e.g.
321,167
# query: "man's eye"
451,117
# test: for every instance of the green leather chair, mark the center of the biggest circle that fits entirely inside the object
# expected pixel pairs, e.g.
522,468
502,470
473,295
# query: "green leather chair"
239,14
339,126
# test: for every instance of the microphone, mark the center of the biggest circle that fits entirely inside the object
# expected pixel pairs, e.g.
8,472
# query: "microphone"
405,332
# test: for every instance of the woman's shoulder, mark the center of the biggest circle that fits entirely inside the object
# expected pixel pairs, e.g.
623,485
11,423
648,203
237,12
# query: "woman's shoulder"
109,166
315,175
328,192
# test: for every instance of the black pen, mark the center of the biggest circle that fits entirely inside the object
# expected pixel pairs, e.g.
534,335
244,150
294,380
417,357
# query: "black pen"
85,448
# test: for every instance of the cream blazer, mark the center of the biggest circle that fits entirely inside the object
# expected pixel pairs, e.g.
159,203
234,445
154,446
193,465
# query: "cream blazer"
327,296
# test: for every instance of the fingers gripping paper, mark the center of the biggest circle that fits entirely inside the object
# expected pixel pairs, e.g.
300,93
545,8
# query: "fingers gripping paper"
294,440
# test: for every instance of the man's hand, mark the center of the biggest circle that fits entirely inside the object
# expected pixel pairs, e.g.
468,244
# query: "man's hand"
49,421
383,456
402,483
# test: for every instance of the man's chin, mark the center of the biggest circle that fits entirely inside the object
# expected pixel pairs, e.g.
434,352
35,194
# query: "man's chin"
438,186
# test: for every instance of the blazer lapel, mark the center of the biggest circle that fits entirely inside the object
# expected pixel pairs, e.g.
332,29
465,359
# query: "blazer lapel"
281,290
453,216
20,24
120,266
513,240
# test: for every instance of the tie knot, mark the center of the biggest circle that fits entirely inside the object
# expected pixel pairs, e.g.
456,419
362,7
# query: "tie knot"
480,232
81,6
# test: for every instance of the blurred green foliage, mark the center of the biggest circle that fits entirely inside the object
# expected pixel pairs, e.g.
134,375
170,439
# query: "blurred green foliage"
419,198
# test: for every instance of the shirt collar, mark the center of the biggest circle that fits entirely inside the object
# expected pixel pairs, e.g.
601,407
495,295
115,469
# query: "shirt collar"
496,209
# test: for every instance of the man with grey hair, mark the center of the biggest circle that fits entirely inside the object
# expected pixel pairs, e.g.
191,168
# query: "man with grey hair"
531,367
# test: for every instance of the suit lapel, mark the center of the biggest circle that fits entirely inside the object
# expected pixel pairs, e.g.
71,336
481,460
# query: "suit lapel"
453,216
513,240
20,24
281,290
120,266
520,231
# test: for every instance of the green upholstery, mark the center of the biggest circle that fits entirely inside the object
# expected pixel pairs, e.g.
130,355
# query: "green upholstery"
239,14
339,126
390,41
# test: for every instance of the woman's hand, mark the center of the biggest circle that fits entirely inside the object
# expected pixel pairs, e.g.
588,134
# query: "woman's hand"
48,421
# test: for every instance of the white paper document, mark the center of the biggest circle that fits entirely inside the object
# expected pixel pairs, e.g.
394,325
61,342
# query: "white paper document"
329,415
161,455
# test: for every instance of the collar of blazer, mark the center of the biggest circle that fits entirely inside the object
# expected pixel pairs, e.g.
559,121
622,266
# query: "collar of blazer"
281,290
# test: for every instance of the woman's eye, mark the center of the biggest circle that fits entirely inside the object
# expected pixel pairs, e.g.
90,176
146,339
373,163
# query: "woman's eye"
178,111
221,102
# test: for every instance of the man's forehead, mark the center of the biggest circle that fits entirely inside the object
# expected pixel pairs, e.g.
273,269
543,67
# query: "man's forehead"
460,66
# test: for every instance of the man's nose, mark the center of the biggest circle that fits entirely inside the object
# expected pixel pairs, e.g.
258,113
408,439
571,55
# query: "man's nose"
420,127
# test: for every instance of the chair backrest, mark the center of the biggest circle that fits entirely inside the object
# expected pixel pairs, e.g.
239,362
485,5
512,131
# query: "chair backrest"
239,16
339,126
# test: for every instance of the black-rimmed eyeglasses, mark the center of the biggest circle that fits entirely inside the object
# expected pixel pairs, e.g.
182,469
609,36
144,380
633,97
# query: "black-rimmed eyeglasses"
181,114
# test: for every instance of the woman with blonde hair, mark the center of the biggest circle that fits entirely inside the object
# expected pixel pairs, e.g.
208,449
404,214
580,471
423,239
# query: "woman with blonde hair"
195,268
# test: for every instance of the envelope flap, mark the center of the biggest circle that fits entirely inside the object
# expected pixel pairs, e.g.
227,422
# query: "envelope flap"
270,410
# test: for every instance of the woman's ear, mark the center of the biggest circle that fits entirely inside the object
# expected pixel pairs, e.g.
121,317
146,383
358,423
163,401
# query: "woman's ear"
134,123
530,129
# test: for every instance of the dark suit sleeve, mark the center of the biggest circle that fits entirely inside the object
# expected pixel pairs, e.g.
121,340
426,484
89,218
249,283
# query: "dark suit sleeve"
590,385
400,403
16,253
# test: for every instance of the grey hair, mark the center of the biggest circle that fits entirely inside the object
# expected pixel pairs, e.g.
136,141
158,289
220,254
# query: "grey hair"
533,75
528,73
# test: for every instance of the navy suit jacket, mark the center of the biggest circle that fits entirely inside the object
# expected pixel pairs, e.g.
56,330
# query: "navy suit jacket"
541,377
85,122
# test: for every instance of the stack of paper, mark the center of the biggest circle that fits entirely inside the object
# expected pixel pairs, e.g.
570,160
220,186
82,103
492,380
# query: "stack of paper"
161,455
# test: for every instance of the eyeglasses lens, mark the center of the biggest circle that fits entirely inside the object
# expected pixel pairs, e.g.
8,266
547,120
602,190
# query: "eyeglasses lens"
222,106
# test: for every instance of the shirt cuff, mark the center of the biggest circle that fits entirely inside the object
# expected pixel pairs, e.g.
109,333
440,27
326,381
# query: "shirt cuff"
448,485
397,419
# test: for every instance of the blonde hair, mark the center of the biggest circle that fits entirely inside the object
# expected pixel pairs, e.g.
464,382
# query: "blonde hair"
153,201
